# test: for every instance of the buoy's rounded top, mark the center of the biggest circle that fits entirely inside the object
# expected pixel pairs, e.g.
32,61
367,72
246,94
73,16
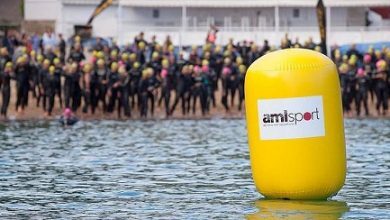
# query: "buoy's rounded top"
291,59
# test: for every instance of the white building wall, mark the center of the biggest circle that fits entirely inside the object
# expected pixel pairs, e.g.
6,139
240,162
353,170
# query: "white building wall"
138,16
41,9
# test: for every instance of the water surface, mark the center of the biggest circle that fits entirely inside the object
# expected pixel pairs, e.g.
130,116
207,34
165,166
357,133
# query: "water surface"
180,169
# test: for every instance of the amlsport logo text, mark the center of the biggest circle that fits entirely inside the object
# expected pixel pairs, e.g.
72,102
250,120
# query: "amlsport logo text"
290,118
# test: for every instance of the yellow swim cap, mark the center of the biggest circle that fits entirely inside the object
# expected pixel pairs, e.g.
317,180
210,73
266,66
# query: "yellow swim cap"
52,70
125,56
239,60
136,65
242,68
133,57
100,62
8,65
87,67
56,61
114,66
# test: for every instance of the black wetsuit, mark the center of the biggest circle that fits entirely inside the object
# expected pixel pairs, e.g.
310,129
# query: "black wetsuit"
166,88
86,81
58,88
381,91
124,83
362,84
99,89
113,88
344,91
22,85
198,91
135,75
241,83
49,83
5,92
72,90
184,84
146,90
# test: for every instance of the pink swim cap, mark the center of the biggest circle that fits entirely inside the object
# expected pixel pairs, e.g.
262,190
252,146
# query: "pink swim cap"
360,72
164,73
380,64
67,112
367,58
205,68
197,69
226,71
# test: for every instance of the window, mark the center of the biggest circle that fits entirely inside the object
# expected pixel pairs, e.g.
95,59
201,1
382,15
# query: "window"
296,12
156,13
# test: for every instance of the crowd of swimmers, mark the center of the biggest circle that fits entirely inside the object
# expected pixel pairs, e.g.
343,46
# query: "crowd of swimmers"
133,79
364,79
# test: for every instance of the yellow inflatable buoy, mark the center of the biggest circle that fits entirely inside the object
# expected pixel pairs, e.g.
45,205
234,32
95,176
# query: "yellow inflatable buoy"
295,125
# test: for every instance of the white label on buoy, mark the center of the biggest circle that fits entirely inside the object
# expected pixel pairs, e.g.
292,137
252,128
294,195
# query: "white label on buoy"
291,118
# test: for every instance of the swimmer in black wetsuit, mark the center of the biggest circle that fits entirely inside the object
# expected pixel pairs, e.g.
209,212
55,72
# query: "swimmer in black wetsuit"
381,87
241,82
50,87
72,89
362,83
113,87
5,80
22,82
123,88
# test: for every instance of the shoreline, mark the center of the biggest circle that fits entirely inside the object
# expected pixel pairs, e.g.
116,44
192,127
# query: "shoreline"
34,113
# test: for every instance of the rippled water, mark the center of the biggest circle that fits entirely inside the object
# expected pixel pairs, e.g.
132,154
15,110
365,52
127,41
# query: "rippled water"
170,170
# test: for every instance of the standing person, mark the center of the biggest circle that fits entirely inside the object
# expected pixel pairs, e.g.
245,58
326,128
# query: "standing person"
34,68
166,77
368,68
183,90
381,87
113,87
62,48
43,72
58,73
124,83
5,83
362,91
228,82
86,86
198,90
72,89
50,87
22,83
351,82
211,78
241,83
343,70
99,86
147,87
135,76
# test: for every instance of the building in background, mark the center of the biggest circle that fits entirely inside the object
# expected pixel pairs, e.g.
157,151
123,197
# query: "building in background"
187,21
11,15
